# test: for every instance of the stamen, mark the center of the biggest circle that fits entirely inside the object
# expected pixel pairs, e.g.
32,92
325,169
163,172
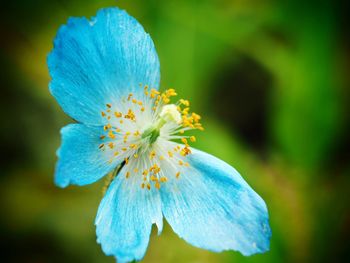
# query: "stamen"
118,114
152,154
157,185
163,179
111,145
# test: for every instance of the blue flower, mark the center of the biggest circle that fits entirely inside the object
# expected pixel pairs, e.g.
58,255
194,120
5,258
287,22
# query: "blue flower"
105,74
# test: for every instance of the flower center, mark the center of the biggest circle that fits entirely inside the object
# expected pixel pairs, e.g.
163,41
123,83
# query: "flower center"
139,132
169,114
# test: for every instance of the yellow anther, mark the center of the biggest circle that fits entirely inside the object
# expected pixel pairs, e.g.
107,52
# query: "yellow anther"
124,149
137,133
193,139
134,101
155,169
181,162
101,145
136,170
118,130
107,127
177,174
133,146
129,97
163,179
121,121
186,151
116,153
152,154
157,185
154,108
108,105
170,154
111,145
108,110
108,117
196,117
143,185
118,114
136,155
103,113
111,134
143,109
155,91
153,178
185,111
126,160
145,172
102,137
148,186
146,93
170,93
187,164
161,157
185,102
139,103
130,115
182,131
184,140
127,174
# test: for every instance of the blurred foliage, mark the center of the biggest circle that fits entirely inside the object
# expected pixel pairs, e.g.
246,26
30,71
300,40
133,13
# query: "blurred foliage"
270,79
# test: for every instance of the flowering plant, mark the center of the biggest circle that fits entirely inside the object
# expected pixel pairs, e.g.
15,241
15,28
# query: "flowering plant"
105,74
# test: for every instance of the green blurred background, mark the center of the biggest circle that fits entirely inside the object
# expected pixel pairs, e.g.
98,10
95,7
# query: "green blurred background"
270,79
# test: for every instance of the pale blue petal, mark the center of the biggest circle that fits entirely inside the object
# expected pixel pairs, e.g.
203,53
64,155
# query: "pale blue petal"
125,217
99,61
80,161
212,207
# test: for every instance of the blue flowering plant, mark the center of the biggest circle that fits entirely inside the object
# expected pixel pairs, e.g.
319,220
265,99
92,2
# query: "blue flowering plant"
105,75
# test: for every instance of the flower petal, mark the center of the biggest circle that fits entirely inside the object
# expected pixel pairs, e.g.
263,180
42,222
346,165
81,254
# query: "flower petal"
212,207
125,217
99,61
80,160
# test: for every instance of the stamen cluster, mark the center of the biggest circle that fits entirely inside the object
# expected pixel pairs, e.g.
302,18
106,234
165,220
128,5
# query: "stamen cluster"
139,131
